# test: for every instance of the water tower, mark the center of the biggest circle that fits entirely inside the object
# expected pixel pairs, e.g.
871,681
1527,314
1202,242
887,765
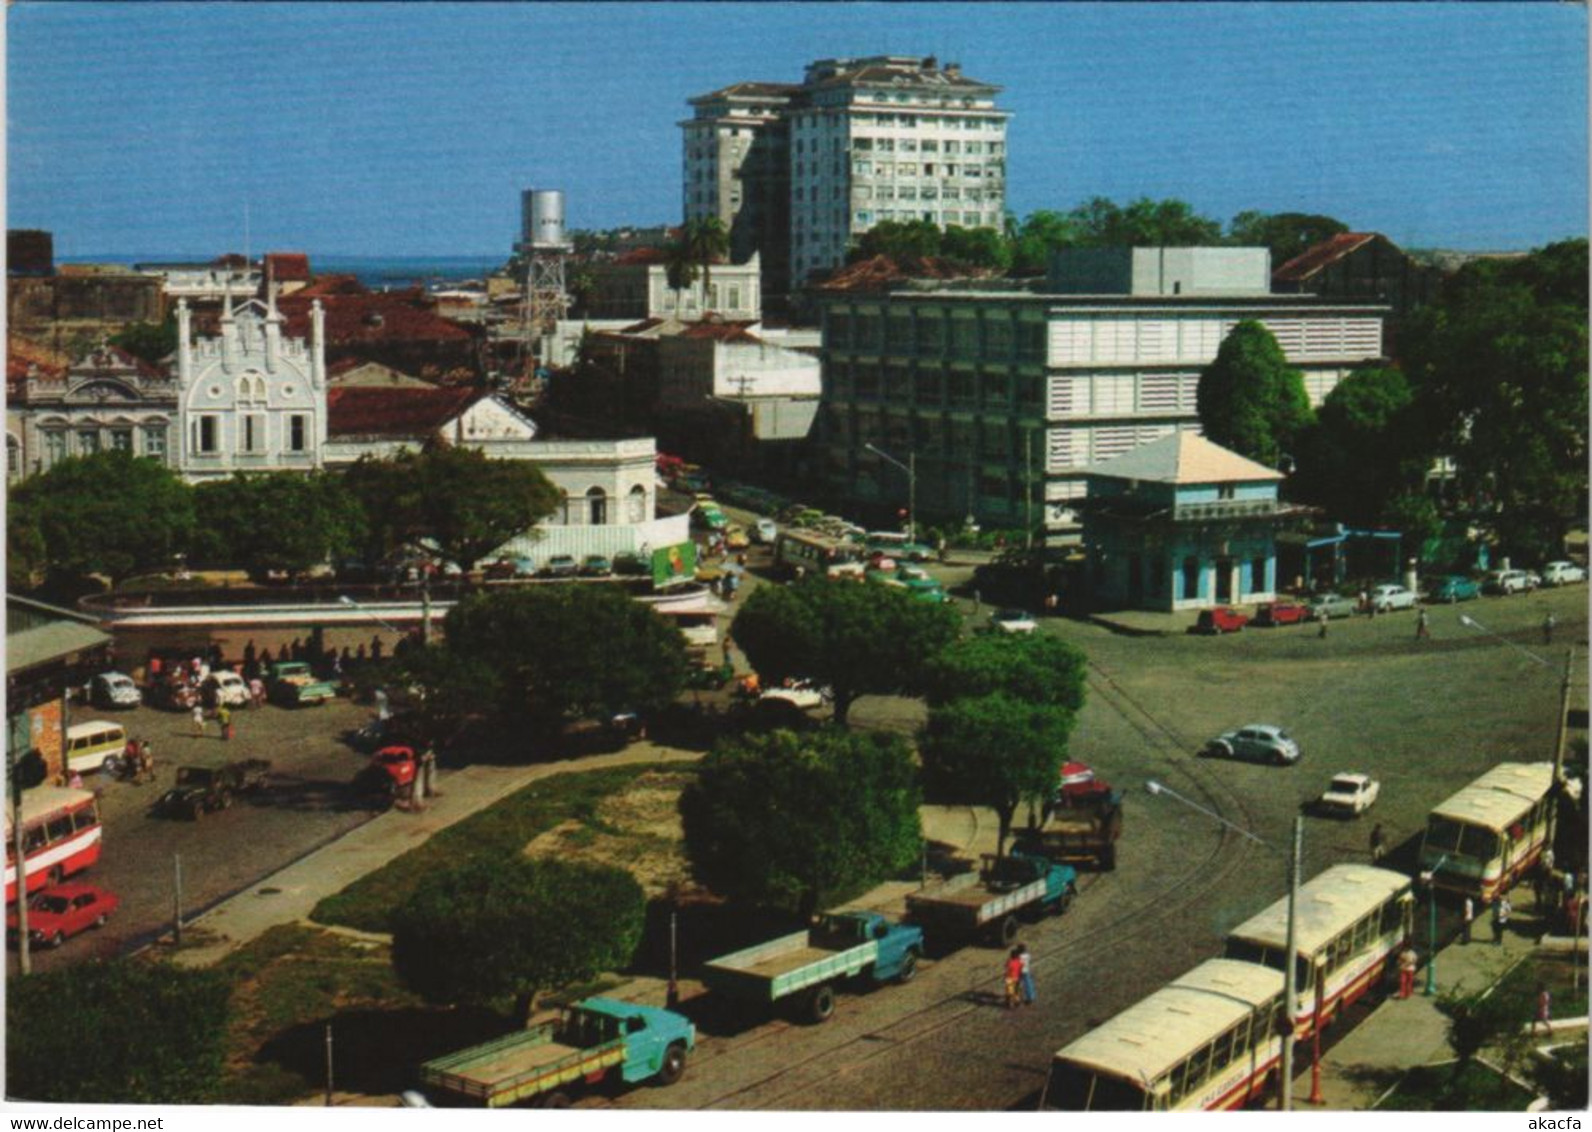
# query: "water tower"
544,248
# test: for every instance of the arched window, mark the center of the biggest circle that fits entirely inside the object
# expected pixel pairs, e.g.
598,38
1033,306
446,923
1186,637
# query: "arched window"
638,505
13,457
251,389
597,502
563,508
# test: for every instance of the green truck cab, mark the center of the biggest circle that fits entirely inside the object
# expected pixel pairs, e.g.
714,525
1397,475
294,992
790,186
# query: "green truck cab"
292,683
988,904
544,1065
803,967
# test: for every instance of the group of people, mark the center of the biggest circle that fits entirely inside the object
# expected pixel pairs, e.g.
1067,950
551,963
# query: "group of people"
1019,978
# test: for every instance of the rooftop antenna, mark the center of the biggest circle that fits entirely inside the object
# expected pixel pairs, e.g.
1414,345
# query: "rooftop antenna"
245,235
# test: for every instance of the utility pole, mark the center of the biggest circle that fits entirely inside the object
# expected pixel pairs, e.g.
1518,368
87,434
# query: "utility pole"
1291,968
1560,743
24,963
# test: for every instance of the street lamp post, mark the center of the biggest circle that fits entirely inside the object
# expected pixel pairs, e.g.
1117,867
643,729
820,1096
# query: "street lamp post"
1471,623
352,604
911,469
1291,945
1430,877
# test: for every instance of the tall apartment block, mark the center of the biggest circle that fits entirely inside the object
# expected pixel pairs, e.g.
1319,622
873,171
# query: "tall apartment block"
797,171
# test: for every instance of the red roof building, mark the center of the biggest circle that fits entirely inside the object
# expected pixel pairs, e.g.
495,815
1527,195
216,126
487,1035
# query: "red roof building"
1359,265
397,413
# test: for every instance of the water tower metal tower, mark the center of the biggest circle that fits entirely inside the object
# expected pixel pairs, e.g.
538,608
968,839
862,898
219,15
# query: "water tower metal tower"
544,248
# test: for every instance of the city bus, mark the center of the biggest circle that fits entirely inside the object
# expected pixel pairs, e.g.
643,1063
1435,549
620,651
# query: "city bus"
60,836
1482,839
1351,920
1207,1041
812,553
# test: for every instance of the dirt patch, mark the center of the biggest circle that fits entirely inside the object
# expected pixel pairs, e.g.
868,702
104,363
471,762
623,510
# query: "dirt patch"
637,829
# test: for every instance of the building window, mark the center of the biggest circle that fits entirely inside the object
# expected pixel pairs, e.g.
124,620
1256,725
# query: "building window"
122,440
1224,491
251,432
1191,578
206,436
54,447
1257,575
597,504
251,389
88,441
638,504
297,438
13,457
155,442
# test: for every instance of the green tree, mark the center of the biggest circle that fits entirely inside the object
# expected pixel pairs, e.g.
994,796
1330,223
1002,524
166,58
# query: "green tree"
490,930
899,239
1041,233
1489,1019
802,821
1101,223
276,520
122,1032
1499,367
388,491
569,652
26,555
109,513
858,640
1285,234
1250,399
1357,457
149,341
994,750
707,242
976,247
1035,668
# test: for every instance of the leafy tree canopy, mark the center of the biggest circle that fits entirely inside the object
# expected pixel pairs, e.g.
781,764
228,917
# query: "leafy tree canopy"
802,821
513,927
149,341
994,750
858,640
1285,234
276,520
1359,456
122,1032
1101,223
569,651
1035,668
108,513
1250,399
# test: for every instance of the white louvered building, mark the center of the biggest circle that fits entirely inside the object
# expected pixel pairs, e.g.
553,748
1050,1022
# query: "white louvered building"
1003,393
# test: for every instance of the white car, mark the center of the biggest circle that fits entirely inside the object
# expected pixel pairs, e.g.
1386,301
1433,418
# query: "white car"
1261,742
1506,582
1562,574
1013,621
228,688
764,532
802,694
1386,598
1349,794
114,690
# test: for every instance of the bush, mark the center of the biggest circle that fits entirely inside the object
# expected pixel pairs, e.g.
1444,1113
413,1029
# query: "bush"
495,928
116,1033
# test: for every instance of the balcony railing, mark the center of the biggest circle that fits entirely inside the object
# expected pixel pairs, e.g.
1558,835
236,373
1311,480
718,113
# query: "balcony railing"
1225,509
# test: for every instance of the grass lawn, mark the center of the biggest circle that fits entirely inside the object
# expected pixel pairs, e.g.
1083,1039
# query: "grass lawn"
497,833
1435,1088
1555,971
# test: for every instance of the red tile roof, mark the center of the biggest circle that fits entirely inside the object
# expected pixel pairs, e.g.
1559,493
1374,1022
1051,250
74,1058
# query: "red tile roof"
288,267
647,256
882,271
406,413
22,355
332,285
721,331
1313,259
369,319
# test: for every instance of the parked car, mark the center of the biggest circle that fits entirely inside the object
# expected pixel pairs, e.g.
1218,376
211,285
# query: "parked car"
1078,781
1013,621
55,914
1331,605
1349,795
631,565
515,567
1275,613
1386,598
204,789
1262,742
1562,574
390,770
226,687
596,566
1453,588
114,690
1222,619
735,537
765,531
1506,582
802,694
292,683
561,566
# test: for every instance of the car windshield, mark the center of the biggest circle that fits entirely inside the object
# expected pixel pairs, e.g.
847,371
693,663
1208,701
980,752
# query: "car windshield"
1345,786
1009,615
55,904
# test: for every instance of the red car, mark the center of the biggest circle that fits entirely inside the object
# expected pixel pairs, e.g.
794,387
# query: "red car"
62,911
1079,782
394,767
1281,613
1222,619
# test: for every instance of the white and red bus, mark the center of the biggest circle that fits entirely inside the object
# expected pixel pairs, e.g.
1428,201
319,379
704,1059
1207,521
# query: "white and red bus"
1350,920
1481,840
60,836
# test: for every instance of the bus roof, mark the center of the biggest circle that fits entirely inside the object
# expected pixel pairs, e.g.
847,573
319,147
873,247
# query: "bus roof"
1330,902
1500,796
44,800
1155,1033
77,730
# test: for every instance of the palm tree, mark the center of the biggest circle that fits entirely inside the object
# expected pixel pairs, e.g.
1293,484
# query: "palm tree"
705,239
680,269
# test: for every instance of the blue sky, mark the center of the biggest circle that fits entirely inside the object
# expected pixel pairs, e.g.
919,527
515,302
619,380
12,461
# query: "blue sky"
410,129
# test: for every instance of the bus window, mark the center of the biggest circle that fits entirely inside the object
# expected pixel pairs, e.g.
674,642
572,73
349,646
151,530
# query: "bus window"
1482,844
59,828
1199,1068
33,839
86,818
1442,835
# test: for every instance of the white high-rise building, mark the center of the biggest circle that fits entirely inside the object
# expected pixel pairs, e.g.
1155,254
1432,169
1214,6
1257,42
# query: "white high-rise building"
797,172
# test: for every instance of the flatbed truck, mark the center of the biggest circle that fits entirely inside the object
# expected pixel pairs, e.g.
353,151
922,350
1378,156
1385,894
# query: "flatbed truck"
1082,830
988,904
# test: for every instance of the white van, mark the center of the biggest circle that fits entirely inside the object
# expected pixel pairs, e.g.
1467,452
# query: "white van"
95,745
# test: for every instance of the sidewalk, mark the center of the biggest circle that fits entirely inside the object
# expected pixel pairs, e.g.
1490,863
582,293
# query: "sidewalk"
291,894
1404,1033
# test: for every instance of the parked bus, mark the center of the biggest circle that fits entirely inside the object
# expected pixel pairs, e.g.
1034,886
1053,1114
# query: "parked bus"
60,836
1206,1041
1482,839
1351,920
815,553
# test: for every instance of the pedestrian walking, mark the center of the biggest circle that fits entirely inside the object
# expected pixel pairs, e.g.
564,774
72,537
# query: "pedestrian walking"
1378,844
198,719
1469,918
1321,616
1422,626
256,691
1408,960
224,719
1549,623
1025,975
146,760
1500,919
1014,977
1365,603
1544,1014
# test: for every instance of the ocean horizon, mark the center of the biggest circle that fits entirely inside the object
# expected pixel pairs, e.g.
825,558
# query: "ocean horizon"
372,271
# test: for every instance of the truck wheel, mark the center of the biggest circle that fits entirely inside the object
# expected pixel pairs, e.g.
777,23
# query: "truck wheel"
673,1067
556,1100
821,1004
1008,930
112,766
57,940
1066,900
909,968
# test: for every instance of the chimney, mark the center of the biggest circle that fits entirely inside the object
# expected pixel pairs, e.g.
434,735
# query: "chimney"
929,62
953,70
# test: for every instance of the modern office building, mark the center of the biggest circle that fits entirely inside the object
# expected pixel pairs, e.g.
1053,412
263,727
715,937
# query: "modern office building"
1005,397
797,171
